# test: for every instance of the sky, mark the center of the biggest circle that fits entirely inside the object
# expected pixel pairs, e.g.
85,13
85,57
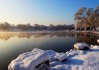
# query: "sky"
42,11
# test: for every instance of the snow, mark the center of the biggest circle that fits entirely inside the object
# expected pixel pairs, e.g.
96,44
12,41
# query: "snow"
95,46
61,57
29,60
80,45
76,59
97,29
97,40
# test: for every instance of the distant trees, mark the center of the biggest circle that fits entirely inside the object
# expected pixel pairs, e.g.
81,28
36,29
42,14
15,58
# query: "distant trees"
61,27
5,26
24,27
88,16
40,27
52,27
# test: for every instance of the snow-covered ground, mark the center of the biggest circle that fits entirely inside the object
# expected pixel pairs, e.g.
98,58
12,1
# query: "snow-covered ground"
76,60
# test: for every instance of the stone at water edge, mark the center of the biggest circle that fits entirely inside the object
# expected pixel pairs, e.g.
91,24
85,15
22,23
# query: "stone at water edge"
97,40
61,57
81,46
34,60
94,46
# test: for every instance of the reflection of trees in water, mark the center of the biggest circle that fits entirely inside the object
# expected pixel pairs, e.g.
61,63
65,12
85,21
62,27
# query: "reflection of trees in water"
24,35
62,34
6,36
51,34
58,34
88,38
81,37
37,35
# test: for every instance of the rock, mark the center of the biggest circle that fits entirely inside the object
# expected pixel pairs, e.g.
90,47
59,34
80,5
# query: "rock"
35,60
81,46
61,57
94,46
39,60
97,40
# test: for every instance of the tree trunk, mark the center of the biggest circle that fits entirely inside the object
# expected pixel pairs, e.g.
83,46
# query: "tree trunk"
95,29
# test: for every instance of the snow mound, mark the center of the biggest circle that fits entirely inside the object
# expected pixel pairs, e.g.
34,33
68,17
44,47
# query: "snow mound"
29,60
76,59
61,57
98,40
95,46
81,46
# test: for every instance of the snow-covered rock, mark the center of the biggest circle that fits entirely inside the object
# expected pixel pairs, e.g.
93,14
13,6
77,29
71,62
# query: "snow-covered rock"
55,63
77,60
51,53
29,60
98,40
94,46
80,60
61,57
81,46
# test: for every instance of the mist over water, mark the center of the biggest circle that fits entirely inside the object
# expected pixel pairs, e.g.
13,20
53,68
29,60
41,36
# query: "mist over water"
13,44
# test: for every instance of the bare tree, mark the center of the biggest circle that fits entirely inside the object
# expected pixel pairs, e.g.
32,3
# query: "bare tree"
88,16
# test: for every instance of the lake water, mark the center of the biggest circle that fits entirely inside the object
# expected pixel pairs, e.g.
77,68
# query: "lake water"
13,44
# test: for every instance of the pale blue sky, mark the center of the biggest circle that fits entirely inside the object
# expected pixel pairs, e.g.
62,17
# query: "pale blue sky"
42,11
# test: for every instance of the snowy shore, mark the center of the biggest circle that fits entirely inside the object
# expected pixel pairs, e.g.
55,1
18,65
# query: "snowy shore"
76,60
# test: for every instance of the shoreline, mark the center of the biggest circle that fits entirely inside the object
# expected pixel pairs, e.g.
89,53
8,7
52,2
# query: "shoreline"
76,60
71,31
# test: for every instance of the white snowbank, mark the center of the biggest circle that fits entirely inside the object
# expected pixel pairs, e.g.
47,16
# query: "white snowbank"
76,60
29,60
94,46
81,45
61,57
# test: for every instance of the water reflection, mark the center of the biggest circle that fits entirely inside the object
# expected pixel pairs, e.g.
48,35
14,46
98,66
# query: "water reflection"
87,38
7,36
81,37
13,44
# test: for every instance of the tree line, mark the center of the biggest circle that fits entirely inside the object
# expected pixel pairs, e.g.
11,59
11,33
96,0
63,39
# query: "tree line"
87,17
5,26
